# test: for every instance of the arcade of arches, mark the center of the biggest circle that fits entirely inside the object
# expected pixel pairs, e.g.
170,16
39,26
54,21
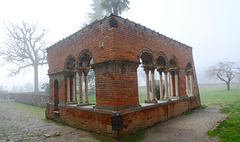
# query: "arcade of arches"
114,48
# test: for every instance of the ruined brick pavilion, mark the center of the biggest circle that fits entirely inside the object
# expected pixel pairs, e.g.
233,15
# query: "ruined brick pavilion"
116,46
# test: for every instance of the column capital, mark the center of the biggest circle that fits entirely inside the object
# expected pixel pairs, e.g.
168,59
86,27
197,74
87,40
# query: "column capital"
160,70
152,70
80,71
85,71
165,72
146,70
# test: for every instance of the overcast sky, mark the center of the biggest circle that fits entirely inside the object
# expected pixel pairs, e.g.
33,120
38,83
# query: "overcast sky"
211,27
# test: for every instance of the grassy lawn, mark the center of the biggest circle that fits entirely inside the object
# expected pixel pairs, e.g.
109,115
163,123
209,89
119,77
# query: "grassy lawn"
141,92
216,94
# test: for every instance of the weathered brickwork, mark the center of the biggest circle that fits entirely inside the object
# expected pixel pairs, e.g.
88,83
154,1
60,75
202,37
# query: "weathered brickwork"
117,47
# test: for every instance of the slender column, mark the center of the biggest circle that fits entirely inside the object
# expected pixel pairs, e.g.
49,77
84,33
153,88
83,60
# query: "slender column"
187,86
86,85
176,84
191,85
153,87
166,84
147,85
73,89
80,87
161,85
68,89
171,85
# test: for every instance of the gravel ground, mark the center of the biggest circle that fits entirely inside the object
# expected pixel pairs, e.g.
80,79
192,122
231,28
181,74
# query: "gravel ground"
186,128
21,125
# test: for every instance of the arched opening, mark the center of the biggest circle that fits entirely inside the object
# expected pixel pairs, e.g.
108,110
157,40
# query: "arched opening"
86,78
147,61
173,77
189,79
70,79
162,70
56,95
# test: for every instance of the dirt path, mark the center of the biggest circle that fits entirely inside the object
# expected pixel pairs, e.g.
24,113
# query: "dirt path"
186,128
23,124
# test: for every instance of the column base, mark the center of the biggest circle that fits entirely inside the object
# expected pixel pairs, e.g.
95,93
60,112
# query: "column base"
165,99
175,97
147,101
83,104
154,101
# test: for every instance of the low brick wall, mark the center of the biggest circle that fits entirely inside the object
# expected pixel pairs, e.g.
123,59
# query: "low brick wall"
34,99
96,120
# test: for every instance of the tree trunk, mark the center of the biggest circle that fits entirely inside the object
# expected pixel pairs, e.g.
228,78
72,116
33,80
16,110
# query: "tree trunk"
115,10
36,78
228,85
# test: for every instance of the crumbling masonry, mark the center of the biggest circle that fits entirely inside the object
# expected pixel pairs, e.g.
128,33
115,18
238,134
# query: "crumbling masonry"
116,46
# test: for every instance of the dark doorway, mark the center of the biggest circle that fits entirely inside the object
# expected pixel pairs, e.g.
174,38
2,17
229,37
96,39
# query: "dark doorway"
56,95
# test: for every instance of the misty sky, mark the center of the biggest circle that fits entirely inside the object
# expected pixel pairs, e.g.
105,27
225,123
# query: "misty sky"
211,27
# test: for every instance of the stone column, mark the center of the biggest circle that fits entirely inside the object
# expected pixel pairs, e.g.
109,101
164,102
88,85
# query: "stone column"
153,87
166,84
80,87
147,85
161,85
68,89
187,87
171,84
176,84
86,85
73,89
191,85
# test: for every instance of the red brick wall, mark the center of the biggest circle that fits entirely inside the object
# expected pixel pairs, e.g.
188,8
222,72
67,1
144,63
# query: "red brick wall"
100,122
61,86
116,89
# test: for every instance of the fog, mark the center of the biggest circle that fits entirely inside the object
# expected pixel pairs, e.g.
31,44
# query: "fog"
211,28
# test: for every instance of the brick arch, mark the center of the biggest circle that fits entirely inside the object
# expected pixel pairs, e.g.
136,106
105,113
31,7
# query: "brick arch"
162,61
188,64
147,56
70,62
84,58
173,62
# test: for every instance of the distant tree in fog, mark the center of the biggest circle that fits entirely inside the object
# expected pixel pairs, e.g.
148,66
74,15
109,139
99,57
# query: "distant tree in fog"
97,13
224,71
24,47
103,8
115,6
238,75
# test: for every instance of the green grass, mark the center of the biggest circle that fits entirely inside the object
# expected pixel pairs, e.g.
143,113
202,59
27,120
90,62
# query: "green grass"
36,112
131,138
91,98
216,94
142,94
202,107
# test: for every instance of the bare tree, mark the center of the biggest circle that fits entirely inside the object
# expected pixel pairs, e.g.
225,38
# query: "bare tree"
224,71
238,75
24,47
